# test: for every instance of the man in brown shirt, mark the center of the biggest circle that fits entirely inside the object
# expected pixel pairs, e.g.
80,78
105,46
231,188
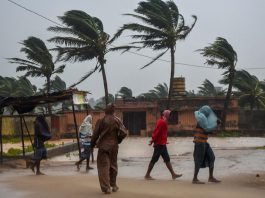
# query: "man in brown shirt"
109,132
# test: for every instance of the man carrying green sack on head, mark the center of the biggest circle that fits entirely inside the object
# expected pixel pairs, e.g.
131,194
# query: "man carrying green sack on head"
203,153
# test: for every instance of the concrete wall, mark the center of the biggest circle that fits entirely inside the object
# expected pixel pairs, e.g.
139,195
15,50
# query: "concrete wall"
62,125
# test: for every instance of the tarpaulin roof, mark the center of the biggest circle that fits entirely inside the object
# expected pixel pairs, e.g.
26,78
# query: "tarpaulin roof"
27,104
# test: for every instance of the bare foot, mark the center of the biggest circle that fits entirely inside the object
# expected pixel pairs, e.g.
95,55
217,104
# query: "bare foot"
115,189
32,168
27,163
89,168
214,180
77,166
196,181
149,177
39,173
108,191
175,176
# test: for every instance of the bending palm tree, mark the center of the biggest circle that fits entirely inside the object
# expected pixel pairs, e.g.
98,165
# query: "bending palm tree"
11,87
252,92
86,40
100,102
160,91
125,92
222,54
38,62
162,27
58,84
208,89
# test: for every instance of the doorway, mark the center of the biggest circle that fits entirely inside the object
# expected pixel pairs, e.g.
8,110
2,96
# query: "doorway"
134,121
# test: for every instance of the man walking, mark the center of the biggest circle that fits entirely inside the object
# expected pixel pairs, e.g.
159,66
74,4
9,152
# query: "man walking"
109,132
41,134
85,133
203,153
159,139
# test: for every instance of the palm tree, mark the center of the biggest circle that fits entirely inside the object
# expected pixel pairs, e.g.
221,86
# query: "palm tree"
222,54
251,90
85,40
58,84
11,87
125,92
159,92
190,93
24,87
38,62
208,89
100,102
7,86
161,28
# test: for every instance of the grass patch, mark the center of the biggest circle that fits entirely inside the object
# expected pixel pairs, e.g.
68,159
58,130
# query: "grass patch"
47,145
18,151
13,140
229,134
261,147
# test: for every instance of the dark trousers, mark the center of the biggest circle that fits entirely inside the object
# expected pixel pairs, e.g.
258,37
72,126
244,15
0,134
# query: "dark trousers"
203,155
160,150
107,168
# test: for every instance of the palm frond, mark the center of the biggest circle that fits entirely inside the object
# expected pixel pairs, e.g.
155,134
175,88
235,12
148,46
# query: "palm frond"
123,48
70,41
59,69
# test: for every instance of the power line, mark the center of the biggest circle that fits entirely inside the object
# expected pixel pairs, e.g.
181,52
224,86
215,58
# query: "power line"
34,12
163,60
186,64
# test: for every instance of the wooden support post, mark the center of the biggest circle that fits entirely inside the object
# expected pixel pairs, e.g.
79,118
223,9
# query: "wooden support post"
76,129
92,153
22,135
1,141
28,133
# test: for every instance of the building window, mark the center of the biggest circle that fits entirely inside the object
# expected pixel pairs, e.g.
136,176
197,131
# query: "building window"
174,118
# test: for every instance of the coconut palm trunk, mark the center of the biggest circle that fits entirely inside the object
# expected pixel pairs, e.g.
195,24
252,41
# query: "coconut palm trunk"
227,100
158,26
222,54
251,126
172,73
38,63
84,39
105,83
48,91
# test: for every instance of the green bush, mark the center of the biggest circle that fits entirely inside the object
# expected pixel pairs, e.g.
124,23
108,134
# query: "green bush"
13,152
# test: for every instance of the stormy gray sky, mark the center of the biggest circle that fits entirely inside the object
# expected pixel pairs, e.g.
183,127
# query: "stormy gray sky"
241,22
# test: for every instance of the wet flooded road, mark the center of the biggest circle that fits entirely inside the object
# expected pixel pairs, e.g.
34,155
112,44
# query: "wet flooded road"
233,156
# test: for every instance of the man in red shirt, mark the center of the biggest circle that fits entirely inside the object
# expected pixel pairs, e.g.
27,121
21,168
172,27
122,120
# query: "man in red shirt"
159,139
